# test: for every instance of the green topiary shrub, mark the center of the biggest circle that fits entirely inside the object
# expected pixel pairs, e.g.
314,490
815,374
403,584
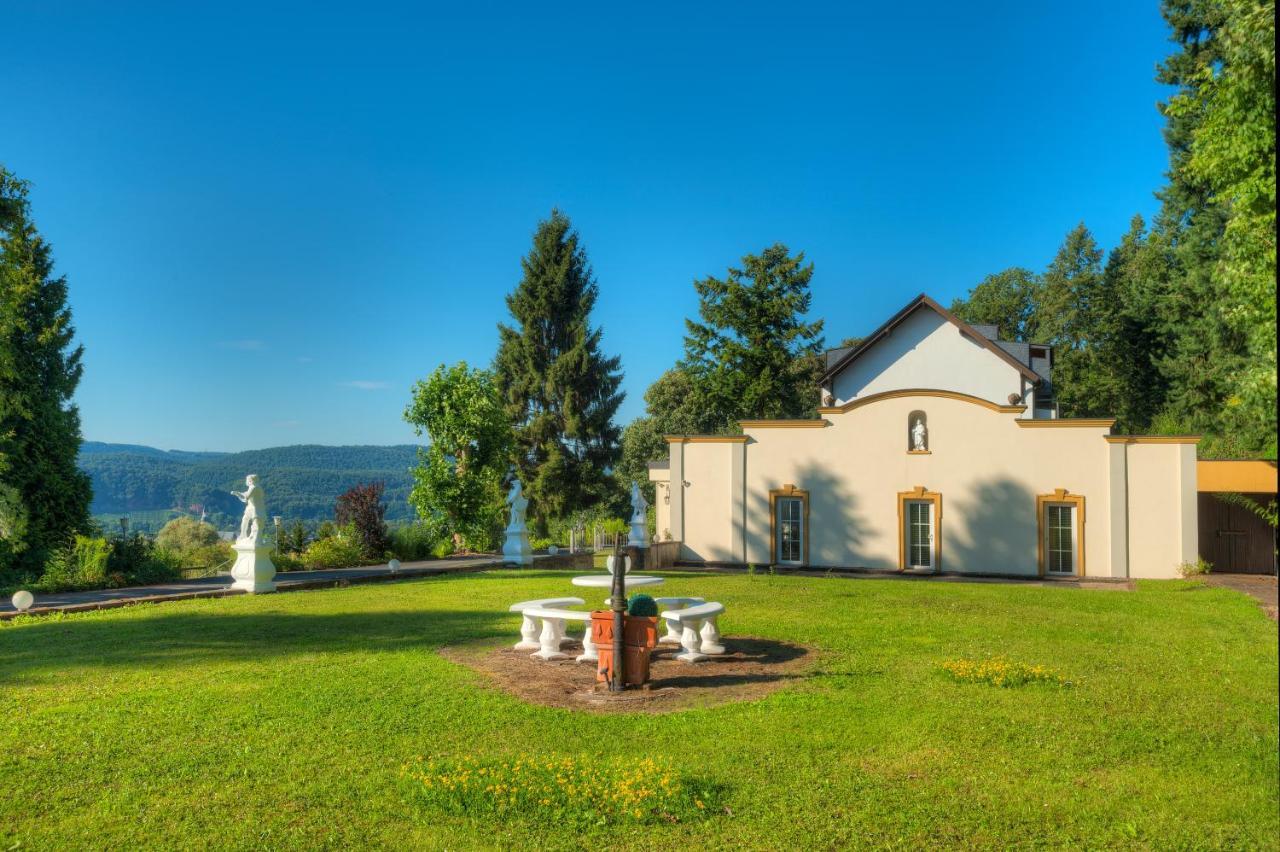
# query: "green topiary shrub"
642,605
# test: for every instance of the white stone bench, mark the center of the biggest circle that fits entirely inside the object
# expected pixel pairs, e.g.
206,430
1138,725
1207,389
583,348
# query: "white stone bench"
529,627
672,636
699,633
552,635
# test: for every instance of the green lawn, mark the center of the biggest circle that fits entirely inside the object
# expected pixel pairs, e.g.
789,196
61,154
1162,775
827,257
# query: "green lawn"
284,720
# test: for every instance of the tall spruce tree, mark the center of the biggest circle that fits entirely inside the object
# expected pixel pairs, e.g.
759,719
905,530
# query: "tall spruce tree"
44,497
560,391
753,354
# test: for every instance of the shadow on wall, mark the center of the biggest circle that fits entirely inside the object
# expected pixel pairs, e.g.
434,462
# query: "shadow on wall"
837,530
991,531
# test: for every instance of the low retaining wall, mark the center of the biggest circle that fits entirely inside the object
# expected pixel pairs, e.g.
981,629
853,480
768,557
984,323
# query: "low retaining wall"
663,554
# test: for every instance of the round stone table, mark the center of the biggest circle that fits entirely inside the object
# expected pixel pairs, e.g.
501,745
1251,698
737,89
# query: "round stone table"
605,581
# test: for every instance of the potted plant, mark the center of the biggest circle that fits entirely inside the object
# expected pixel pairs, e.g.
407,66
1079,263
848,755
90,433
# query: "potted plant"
639,635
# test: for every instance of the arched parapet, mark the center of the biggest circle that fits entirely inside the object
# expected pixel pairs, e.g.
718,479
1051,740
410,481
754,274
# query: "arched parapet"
920,392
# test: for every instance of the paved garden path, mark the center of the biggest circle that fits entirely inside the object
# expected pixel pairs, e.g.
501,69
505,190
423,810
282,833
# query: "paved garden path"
1260,587
220,585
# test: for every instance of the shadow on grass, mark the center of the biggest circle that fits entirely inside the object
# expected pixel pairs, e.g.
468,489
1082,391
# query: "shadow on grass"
749,661
175,638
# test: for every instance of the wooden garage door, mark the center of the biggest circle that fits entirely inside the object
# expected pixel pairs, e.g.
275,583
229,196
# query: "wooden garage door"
1235,540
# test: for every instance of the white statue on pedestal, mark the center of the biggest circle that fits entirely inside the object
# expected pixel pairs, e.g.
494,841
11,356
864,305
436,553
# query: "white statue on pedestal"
254,571
919,438
639,536
516,548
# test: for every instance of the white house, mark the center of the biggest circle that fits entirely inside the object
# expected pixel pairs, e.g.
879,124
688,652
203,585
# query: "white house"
937,449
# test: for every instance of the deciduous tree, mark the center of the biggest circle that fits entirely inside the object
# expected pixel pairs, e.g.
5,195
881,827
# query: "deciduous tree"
361,506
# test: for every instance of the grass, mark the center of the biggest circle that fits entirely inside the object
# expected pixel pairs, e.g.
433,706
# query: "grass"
288,721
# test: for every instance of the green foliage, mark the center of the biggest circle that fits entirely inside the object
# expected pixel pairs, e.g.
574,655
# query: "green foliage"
1229,148
414,542
44,498
1199,568
752,354
295,538
1009,300
343,549
288,562
458,481
642,605
97,563
615,526
183,535
559,390
997,671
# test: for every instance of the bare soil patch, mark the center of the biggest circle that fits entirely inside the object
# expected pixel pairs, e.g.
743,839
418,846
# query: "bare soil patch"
749,669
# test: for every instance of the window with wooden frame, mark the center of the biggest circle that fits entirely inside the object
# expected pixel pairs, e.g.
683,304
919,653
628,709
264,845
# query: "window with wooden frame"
919,530
1060,523
789,525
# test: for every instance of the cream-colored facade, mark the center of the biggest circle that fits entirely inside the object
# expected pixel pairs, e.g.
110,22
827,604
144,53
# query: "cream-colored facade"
993,492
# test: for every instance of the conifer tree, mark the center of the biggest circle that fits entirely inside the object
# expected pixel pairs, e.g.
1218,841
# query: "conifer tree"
560,390
753,354
44,497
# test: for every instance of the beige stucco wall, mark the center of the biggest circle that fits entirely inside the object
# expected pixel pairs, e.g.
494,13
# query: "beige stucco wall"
1163,527
988,469
708,502
927,351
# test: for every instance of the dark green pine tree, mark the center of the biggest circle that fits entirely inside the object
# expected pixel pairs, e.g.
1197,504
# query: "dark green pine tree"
44,497
1203,353
560,391
753,355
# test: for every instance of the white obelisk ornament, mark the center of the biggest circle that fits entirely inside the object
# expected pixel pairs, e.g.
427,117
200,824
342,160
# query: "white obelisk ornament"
254,571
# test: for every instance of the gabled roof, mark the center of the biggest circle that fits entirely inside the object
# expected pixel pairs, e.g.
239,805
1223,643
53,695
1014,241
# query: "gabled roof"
919,302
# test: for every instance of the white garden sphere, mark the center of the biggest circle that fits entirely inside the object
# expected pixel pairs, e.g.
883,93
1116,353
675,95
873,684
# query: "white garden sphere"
22,600
393,566
626,565
552,550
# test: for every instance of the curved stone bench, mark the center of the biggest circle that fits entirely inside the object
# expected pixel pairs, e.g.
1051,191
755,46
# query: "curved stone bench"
528,627
552,635
699,634
672,636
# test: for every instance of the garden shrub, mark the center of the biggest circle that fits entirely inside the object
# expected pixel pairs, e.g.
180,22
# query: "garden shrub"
541,543
361,509
92,562
340,550
581,791
642,605
1194,569
442,548
287,562
414,542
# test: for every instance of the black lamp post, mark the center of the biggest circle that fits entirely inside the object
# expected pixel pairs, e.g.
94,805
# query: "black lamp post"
618,603
124,526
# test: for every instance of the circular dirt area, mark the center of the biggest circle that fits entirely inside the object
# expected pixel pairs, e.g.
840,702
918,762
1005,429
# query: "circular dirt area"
749,668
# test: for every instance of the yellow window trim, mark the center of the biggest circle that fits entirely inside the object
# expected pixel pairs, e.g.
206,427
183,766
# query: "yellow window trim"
783,424
940,394
1069,422
1060,495
705,439
919,493
788,490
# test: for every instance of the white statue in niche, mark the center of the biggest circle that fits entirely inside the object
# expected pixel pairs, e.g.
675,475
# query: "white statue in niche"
255,509
919,437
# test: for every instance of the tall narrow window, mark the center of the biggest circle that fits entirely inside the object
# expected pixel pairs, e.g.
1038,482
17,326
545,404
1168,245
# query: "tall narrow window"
1061,520
1060,548
920,534
789,524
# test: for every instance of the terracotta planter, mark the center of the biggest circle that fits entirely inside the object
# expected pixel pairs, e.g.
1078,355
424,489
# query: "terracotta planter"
640,635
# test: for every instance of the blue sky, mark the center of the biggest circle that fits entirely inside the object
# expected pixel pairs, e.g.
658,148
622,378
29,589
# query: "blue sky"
274,218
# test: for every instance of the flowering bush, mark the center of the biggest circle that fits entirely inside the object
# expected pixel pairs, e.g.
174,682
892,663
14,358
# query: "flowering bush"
1000,672
577,790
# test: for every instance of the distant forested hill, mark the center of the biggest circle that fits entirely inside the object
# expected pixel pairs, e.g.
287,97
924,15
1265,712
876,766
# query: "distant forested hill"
301,482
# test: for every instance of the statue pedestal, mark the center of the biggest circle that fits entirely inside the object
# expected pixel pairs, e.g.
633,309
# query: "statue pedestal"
254,571
516,548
